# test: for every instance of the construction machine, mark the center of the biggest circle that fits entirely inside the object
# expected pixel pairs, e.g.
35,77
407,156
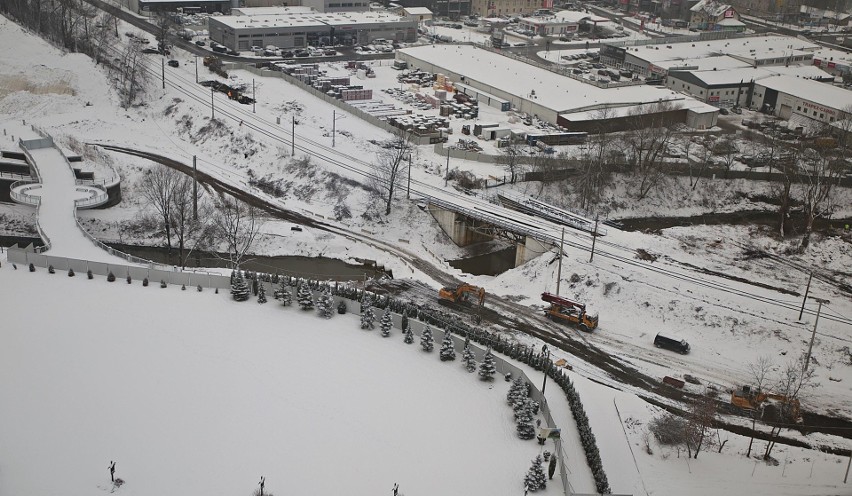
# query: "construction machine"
463,293
569,312
750,398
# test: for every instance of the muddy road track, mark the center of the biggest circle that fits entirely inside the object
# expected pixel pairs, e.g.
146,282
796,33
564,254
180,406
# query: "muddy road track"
500,314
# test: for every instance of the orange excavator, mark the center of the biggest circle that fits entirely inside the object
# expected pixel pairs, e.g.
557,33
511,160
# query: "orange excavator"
569,312
750,398
463,293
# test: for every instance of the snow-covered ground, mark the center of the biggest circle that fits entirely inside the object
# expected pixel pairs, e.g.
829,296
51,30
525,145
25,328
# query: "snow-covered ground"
729,323
205,396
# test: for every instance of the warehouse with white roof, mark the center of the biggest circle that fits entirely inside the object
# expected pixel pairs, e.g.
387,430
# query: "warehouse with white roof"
300,29
658,58
733,87
570,103
802,101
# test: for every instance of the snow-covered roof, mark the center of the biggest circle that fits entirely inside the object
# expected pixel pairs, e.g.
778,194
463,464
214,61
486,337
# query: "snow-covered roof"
417,11
711,7
576,16
745,46
832,55
718,63
307,19
255,11
824,94
681,103
730,22
553,91
748,74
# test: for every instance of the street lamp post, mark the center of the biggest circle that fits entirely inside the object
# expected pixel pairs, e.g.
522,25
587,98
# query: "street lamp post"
813,335
546,355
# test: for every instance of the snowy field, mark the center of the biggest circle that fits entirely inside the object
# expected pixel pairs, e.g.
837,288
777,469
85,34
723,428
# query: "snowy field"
203,396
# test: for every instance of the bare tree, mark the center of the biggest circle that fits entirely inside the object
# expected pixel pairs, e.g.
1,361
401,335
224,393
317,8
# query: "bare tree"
759,371
726,149
820,171
187,227
648,141
701,417
132,78
595,165
237,225
158,188
510,156
391,169
793,381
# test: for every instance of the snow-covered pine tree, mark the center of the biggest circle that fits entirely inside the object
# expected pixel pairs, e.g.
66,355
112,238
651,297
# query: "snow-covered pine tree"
487,368
305,297
427,342
325,304
261,293
524,418
535,479
518,389
448,351
368,318
408,335
468,358
283,293
386,324
239,288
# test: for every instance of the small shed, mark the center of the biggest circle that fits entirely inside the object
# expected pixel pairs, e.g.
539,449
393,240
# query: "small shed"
419,14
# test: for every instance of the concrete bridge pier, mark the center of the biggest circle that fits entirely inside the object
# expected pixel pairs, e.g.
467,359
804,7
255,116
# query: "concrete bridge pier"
457,226
529,249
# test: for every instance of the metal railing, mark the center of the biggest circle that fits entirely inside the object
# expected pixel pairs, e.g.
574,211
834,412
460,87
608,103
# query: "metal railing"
98,199
14,175
22,196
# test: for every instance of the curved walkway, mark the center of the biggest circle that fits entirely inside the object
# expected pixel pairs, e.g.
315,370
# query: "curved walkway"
56,213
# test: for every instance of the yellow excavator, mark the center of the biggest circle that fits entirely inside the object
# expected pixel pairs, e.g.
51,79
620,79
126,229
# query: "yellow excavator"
750,398
569,312
462,294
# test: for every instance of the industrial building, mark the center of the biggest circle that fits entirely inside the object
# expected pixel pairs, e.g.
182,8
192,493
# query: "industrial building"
573,104
711,15
733,87
803,102
566,22
299,30
656,59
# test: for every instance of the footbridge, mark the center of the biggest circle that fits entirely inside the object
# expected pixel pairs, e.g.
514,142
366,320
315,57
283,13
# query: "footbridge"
470,224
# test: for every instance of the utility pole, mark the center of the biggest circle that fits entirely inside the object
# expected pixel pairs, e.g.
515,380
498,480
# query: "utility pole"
559,272
212,110
194,188
594,238
807,288
813,335
408,194
293,139
253,97
333,126
196,68
847,468
163,68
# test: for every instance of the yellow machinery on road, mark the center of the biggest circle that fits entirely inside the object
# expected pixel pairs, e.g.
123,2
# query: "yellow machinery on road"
569,312
463,293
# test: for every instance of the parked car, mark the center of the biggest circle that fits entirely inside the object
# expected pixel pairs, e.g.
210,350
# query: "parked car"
200,43
150,50
173,63
287,54
678,345
724,111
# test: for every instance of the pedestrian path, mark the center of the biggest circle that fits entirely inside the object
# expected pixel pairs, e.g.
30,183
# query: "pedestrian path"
58,192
